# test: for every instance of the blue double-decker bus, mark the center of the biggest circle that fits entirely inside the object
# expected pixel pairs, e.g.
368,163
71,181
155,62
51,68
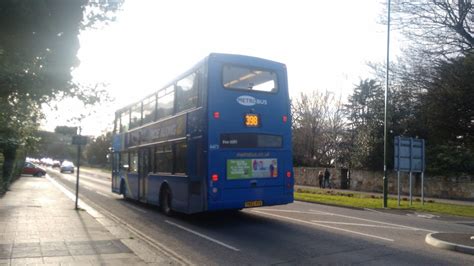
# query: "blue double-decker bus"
218,137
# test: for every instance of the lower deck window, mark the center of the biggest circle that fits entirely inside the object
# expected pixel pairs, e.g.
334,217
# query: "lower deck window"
163,158
180,157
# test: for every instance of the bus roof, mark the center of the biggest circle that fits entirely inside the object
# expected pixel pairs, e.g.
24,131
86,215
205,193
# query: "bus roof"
212,56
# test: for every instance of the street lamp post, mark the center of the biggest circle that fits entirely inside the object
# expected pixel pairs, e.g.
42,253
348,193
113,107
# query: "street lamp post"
385,178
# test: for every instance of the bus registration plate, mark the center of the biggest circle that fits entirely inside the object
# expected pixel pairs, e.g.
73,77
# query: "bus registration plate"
255,203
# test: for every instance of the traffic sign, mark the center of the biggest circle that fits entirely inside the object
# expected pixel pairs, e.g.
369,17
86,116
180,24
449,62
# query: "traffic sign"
79,140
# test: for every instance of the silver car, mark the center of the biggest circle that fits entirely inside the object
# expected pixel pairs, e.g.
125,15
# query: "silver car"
67,166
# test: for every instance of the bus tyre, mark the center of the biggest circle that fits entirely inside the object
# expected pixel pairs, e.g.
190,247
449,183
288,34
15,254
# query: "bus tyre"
165,201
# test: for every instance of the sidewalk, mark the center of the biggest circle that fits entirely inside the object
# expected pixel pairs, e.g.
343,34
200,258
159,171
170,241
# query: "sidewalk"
39,225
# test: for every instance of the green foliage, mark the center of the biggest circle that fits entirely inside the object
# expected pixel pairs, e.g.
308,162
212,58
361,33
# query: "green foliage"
365,112
54,145
450,158
97,150
38,47
448,116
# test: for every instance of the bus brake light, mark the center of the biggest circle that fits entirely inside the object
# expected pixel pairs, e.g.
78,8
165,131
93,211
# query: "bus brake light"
215,178
217,115
288,174
285,118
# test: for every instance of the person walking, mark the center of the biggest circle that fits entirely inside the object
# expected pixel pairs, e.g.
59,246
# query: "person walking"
320,178
327,175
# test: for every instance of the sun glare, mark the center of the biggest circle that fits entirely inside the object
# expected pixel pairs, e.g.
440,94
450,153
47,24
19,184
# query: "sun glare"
153,41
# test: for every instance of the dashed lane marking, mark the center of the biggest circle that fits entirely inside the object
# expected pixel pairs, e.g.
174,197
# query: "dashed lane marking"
363,225
202,235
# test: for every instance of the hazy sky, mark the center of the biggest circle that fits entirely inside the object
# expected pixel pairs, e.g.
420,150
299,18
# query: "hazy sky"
325,45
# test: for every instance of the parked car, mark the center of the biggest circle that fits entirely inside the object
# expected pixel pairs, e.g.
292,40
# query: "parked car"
32,169
56,164
67,166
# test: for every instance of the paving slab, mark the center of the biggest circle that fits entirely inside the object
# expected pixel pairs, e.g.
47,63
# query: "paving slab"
39,225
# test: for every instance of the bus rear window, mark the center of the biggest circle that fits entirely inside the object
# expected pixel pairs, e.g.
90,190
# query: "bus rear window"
249,79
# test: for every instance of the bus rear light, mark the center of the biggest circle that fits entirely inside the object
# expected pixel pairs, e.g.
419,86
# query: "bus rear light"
285,118
217,115
288,174
215,178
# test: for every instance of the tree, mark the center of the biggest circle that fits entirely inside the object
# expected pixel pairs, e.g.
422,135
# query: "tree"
438,28
17,127
365,112
38,47
448,116
317,129
97,150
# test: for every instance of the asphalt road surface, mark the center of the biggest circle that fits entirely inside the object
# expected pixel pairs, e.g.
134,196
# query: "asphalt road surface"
294,234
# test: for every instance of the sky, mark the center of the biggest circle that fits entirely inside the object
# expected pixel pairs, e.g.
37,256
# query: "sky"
326,45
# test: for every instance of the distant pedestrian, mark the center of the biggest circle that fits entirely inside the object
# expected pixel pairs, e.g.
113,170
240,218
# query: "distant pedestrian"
327,175
320,178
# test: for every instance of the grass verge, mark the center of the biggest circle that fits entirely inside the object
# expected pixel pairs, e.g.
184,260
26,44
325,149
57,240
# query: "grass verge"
360,200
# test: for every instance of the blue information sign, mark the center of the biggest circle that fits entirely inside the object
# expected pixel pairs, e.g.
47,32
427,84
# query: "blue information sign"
409,154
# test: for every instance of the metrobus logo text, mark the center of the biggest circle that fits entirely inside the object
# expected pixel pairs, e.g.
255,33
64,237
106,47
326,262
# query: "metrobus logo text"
247,100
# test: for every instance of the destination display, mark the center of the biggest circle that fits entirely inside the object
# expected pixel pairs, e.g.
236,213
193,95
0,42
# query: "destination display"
250,140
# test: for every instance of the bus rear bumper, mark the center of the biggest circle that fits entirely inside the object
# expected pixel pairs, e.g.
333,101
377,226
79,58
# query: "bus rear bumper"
237,198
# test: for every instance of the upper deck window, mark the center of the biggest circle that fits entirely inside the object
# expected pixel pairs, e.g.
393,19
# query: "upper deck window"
187,93
149,109
124,121
250,79
136,116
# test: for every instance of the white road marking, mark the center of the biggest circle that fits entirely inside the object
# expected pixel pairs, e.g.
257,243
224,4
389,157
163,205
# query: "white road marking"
289,211
203,236
372,221
423,215
135,208
326,226
372,210
346,216
63,189
363,225
103,194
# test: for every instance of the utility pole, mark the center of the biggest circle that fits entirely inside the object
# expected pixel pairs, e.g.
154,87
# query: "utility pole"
79,141
77,174
385,178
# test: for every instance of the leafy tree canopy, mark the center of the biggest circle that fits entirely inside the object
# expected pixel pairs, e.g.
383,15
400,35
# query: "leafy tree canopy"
38,49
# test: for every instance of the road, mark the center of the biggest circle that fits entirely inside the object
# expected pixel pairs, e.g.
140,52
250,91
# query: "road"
298,233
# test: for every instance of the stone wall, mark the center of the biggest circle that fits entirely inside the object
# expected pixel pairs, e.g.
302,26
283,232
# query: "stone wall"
461,187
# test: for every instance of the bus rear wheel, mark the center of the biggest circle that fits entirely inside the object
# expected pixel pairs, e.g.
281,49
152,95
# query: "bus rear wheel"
165,201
